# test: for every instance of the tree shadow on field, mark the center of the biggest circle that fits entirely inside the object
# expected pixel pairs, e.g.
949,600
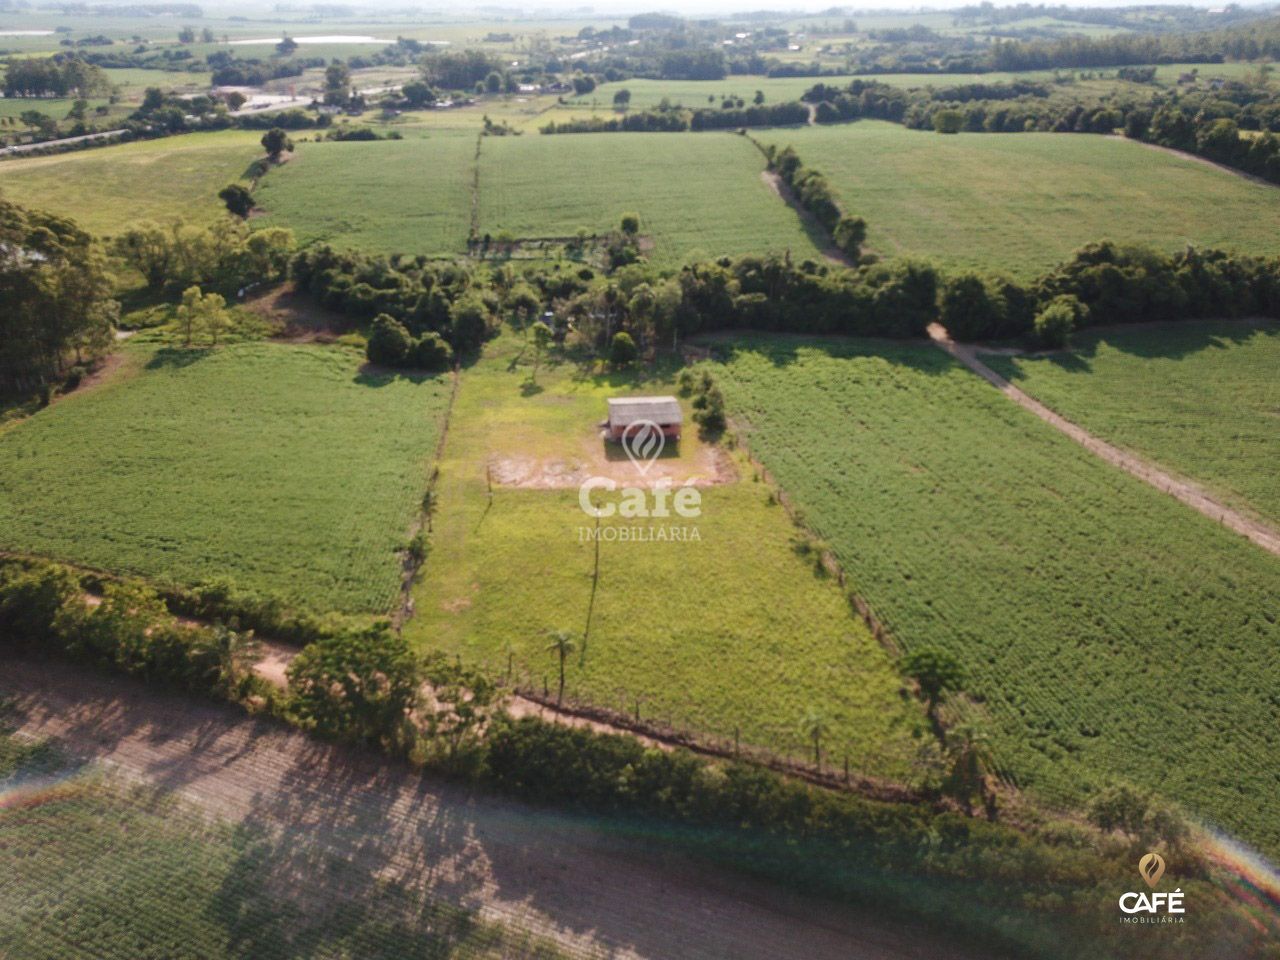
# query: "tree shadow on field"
1164,340
785,349
1177,339
177,358
373,375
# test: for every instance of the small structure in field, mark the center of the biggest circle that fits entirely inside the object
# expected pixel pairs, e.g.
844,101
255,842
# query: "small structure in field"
626,412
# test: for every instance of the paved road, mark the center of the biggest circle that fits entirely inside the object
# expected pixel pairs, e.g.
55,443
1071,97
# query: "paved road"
28,147
556,875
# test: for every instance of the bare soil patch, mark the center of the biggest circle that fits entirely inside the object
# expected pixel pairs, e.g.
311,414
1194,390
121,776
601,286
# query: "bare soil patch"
295,315
706,466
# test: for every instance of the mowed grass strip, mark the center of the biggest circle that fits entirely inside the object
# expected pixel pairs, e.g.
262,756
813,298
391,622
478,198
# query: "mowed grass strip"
107,188
1021,203
732,632
696,193
395,196
1109,632
1201,399
285,469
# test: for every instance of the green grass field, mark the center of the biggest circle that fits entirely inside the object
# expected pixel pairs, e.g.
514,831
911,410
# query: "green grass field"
1201,399
284,469
107,188
95,866
732,630
403,196
1108,632
646,94
695,192
1023,202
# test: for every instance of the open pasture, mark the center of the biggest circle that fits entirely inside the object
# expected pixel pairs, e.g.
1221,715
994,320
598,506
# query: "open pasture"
1020,203
1200,399
733,630
395,196
107,188
1108,632
284,469
696,193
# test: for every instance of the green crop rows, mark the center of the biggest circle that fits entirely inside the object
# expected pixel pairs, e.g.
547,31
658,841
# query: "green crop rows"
696,193
402,196
1201,399
284,468
1020,204
1109,632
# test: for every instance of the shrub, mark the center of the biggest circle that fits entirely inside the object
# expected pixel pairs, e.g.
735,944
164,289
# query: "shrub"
389,342
357,685
469,318
432,352
1056,322
622,350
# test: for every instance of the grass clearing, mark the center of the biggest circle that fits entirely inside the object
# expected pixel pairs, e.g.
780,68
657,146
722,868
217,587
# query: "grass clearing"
733,630
396,196
1201,399
1109,633
1023,202
107,188
286,469
696,193
95,866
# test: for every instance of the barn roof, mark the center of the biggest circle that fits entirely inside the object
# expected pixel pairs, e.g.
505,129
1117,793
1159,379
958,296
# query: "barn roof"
624,411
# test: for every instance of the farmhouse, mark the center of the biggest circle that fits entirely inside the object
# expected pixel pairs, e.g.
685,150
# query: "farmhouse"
627,411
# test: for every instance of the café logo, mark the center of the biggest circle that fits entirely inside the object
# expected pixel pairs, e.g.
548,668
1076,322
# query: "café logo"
1156,906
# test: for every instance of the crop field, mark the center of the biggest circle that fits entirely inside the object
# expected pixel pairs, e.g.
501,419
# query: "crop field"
107,188
97,867
402,196
696,193
732,630
1201,399
646,94
284,469
1108,632
1023,202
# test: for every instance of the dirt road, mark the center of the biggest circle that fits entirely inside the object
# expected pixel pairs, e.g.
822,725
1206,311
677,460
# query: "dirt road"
594,891
1184,490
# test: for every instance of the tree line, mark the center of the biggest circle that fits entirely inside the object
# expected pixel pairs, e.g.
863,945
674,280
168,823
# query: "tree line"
56,76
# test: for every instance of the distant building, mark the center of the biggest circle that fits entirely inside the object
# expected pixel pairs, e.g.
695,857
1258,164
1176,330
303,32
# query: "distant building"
625,412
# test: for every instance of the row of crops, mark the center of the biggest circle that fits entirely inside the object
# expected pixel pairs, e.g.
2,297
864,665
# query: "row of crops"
1109,633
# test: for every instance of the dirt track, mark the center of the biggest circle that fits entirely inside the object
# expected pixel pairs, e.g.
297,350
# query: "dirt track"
595,892
1184,490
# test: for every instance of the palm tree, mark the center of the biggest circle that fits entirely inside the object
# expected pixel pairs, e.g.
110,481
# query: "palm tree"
971,768
815,725
562,644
